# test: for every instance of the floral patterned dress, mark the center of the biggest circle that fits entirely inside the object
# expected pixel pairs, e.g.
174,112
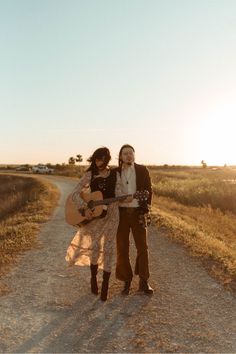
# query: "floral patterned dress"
95,241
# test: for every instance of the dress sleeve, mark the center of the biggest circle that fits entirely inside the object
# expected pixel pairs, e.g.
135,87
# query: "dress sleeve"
83,183
118,190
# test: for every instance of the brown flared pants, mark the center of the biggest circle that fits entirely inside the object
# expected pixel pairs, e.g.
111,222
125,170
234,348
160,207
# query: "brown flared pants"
129,220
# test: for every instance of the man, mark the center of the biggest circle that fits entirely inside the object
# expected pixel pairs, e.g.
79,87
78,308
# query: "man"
134,178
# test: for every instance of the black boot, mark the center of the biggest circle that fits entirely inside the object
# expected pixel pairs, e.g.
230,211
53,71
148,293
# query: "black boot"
145,287
105,285
126,288
94,284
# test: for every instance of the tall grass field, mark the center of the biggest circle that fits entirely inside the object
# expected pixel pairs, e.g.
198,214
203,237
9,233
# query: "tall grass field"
25,203
198,206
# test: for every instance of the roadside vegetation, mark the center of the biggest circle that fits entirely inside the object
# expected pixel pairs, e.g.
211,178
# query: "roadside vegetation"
26,202
198,208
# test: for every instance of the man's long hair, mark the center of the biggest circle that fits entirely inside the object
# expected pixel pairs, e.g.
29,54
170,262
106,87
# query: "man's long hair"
120,152
101,153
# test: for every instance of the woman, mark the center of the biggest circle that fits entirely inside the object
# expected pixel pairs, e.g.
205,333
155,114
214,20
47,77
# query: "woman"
94,243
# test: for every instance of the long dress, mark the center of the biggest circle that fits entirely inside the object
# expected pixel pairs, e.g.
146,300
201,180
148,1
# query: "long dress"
95,241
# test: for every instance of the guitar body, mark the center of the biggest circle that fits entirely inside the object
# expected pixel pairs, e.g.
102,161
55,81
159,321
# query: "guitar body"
72,214
95,202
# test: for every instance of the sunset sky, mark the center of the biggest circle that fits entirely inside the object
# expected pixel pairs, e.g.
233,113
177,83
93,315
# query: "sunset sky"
79,74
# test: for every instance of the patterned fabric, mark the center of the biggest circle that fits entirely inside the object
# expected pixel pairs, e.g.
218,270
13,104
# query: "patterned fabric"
95,242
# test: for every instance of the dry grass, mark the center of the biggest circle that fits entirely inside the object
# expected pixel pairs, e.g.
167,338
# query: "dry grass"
27,202
204,222
198,187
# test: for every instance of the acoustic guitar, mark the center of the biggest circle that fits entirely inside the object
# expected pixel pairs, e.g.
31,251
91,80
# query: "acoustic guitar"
75,213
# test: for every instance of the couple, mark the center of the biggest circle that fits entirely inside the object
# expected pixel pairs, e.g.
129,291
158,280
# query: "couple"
95,242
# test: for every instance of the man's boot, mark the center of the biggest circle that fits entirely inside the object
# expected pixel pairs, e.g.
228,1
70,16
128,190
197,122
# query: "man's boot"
105,285
145,287
126,288
94,284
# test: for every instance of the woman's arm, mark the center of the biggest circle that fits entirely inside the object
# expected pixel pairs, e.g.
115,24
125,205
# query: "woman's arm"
84,182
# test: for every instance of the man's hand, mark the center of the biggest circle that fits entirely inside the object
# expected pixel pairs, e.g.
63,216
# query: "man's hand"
127,200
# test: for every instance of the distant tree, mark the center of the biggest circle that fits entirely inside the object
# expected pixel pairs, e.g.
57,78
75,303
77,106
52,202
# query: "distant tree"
204,165
79,158
49,165
71,161
63,166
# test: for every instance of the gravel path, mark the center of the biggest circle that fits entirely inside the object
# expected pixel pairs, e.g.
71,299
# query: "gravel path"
50,308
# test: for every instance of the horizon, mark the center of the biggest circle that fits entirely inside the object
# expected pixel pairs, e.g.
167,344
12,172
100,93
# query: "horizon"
2,165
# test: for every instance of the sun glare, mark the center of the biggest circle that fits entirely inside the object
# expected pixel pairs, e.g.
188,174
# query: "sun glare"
217,132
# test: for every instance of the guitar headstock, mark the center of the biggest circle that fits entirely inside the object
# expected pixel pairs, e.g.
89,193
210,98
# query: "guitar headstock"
142,196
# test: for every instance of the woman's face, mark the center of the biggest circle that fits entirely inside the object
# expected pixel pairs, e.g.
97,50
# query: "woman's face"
100,163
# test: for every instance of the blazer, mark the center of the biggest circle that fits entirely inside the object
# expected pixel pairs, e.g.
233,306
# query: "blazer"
143,180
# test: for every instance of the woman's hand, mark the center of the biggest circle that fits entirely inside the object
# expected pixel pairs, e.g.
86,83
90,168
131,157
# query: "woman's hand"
88,214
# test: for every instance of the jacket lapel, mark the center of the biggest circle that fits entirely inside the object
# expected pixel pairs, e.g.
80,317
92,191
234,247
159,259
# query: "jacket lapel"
137,176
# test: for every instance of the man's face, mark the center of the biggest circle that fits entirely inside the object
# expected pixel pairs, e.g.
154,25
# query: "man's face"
127,156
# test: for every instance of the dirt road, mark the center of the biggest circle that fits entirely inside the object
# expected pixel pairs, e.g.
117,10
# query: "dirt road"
50,308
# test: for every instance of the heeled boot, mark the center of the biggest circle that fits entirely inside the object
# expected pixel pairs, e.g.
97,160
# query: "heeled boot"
105,285
145,287
94,284
126,288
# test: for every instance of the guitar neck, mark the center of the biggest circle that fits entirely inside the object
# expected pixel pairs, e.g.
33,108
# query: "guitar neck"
111,200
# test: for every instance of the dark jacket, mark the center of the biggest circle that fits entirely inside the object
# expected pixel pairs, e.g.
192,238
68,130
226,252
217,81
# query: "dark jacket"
143,180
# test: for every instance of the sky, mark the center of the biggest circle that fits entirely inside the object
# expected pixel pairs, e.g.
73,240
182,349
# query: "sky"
76,75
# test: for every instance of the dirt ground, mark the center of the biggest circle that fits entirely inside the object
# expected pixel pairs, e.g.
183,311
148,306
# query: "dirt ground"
49,308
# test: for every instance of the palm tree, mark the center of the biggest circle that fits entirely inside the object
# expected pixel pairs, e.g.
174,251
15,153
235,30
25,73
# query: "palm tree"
71,161
79,158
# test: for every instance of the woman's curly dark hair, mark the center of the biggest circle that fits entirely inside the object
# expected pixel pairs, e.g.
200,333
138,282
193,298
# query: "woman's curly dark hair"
100,154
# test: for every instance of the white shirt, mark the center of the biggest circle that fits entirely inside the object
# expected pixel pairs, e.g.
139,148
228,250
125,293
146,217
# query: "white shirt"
128,185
